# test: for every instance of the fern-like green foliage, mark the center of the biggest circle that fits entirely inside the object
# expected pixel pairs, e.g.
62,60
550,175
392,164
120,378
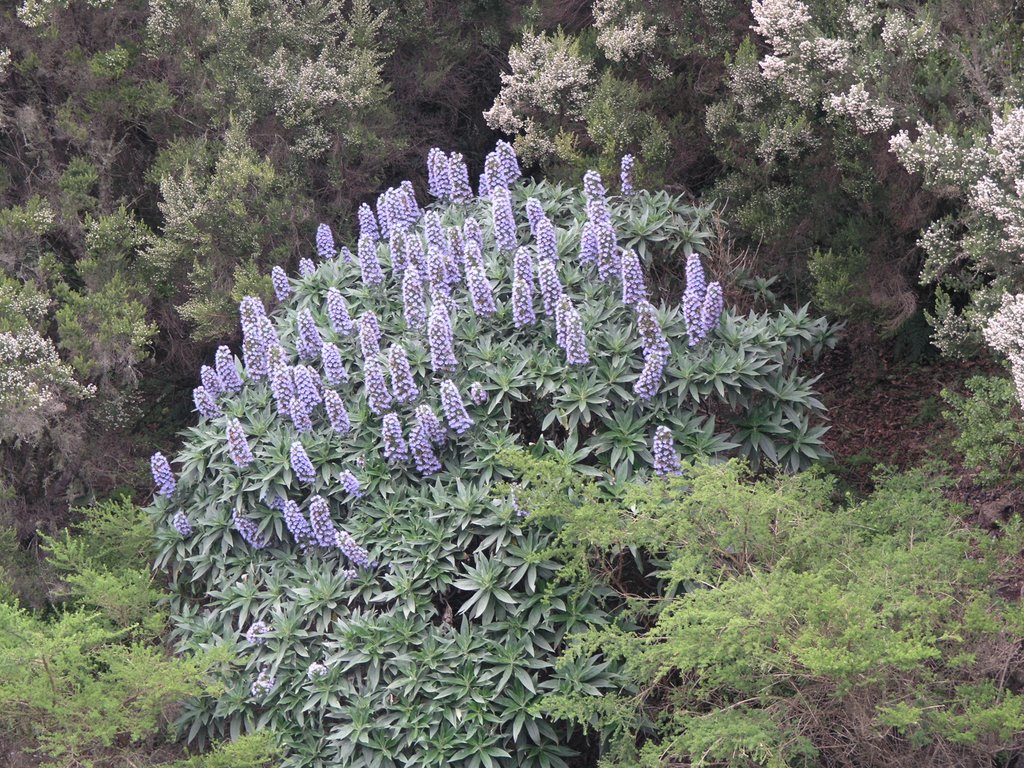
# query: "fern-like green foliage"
761,623
439,651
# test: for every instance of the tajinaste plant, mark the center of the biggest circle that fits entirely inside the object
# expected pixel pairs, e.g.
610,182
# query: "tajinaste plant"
346,254
350,483
248,530
522,289
238,445
282,385
534,214
254,345
652,337
666,458
181,524
393,442
263,684
299,416
398,248
378,398
306,387
588,243
309,341
301,465
711,308
594,191
413,302
626,174
306,267
471,233
547,241
225,363
438,174
369,336
551,289
454,409
211,381
633,288
325,242
316,670
280,281
477,393
504,220
458,175
649,381
337,413
427,420
337,312
368,223
480,292
334,368
355,553
423,452
205,404
693,298
574,341
415,256
369,264
439,336
163,477
402,383
324,532
257,633
609,263
297,524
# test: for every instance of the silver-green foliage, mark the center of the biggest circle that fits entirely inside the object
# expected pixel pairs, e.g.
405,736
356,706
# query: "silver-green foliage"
438,655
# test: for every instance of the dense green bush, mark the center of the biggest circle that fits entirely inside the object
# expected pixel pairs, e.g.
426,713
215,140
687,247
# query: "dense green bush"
991,435
437,652
763,624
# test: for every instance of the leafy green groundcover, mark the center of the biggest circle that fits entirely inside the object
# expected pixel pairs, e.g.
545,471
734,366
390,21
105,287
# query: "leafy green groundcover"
438,653
769,626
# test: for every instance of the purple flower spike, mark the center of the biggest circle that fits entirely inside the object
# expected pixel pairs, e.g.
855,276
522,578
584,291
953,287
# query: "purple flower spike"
626,174
458,175
437,271
547,240
281,286
163,477
693,297
711,309
306,387
225,363
588,243
474,257
350,483
666,458
306,268
297,524
334,368
423,452
402,383
534,213
427,420
256,635
609,264
336,412
378,398
346,254
369,264
647,384
439,336
324,532
309,342
477,394
325,242
652,338
181,524
337,312
439,174
415,255
369,335
211,381
350,549
282,386
471,232
238,445
633,288
263,684
522,304
300,416
454,409
301,465
594,191
248,530
550,286
413,301
508,164
480,291
205,403
368,223
504,220
395,449
570,327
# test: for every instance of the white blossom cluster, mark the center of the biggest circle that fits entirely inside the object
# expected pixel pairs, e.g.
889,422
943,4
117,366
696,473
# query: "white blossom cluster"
1005,333
623,33
549,81
867,114
35,13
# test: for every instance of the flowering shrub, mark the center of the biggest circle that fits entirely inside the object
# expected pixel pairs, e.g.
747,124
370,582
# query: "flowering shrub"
379,547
